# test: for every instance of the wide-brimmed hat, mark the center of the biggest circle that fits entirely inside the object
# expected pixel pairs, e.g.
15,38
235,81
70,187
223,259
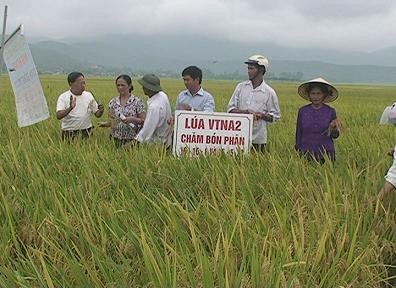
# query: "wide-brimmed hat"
332,91
150,82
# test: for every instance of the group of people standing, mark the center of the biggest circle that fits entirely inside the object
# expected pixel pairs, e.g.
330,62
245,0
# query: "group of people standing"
317,123
130,122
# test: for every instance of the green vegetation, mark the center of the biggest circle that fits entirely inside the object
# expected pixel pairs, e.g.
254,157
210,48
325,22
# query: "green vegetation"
90,215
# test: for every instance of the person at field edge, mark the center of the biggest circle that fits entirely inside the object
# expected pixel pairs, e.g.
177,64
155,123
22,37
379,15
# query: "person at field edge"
156,128
255,97
126,113
317,123
390,178
74,108
389,115
194,98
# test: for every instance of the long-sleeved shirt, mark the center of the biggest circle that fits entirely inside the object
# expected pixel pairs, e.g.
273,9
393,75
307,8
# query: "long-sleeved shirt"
201,101
156,128
260,99
312,134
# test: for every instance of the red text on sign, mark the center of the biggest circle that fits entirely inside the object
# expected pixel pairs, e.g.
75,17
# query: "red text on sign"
221,124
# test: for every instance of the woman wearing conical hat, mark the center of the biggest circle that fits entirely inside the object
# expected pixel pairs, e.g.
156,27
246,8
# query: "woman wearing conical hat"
317,123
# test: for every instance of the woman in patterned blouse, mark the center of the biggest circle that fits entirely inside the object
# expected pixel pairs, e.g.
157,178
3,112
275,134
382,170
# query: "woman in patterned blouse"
126,113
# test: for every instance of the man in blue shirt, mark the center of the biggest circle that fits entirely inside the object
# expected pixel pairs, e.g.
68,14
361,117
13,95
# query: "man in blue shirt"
194,98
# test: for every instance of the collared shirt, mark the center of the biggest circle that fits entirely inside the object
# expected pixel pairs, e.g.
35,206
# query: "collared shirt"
201,101
156,128
132,107
80,116
261,99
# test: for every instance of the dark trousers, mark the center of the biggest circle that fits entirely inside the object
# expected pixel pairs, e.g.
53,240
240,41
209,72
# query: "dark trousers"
320,158
121,142
68,135
259,147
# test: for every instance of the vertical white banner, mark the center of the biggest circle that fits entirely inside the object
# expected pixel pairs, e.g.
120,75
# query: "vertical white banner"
31,105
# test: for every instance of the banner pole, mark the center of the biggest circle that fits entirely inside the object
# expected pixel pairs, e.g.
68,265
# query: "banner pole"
3,38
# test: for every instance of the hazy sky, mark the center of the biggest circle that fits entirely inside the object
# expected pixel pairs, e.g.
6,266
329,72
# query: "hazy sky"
342,24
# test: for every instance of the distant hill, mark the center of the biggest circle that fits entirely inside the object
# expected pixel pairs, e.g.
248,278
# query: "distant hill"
219,58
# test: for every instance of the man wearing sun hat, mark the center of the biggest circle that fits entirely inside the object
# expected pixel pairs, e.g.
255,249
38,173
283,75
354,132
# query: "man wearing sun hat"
255,97
317,123
155,128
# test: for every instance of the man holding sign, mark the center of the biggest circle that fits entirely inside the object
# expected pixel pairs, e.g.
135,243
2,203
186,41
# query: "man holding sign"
194,98
257,98
74,108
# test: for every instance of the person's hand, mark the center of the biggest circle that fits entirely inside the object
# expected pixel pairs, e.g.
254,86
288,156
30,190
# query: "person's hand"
73,101
257,115
185,107
104,124
129,119
171,121
100,107
335,124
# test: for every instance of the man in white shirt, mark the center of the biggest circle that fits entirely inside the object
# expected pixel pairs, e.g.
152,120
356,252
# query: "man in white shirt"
155,128
74,108
257,98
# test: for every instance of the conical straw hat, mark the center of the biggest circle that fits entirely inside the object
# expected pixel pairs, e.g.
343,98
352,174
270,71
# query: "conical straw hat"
332,95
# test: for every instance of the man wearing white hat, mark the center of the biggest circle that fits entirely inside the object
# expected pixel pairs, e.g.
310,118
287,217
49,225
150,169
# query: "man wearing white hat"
255,97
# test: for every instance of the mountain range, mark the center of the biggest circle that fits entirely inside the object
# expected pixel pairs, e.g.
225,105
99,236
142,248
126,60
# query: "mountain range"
168,55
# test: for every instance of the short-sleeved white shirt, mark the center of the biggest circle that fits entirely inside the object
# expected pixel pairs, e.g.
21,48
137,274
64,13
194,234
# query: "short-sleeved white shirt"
80,117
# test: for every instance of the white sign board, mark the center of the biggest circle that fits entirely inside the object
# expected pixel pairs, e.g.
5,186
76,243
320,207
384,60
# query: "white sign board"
206,133
31,104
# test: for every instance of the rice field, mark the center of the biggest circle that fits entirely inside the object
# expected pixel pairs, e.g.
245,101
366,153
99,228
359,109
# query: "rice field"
88,214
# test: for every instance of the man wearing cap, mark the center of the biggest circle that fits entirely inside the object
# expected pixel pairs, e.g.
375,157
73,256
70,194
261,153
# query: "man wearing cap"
255,97
194,98
155,128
